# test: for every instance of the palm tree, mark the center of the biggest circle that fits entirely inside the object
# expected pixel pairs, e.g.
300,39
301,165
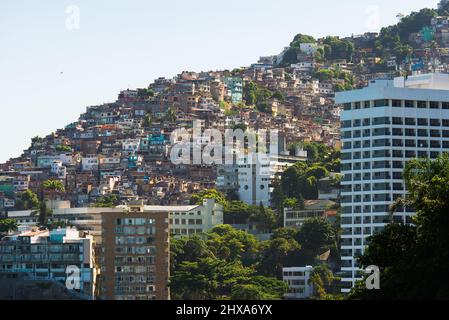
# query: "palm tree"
53,185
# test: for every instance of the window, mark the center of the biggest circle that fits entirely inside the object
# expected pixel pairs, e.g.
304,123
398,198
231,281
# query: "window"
422,104
346,124
397,103
435,122
423,133
422,144
422,122
435,133
409,104
410,121
434,105
381,103
398,121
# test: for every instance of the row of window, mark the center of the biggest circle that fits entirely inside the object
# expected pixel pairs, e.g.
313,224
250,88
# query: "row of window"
409,132
396,104
372,165
382,197
186,221
368,209
134,240
136,230
136,250
410,143
373,220
135,221
133,269
186,231
395,153
394,121
134,259
119,279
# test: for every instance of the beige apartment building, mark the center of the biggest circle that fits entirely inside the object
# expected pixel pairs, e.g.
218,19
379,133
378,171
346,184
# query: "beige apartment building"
136,255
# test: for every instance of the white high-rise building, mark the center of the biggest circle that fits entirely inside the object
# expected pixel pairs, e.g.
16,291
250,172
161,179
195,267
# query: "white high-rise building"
383,126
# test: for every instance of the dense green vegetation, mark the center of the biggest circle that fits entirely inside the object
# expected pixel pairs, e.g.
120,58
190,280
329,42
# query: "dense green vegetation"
414,259
219,265
53,185
335,73
259,97
300,181
198,198
226,263
392,41
63,148
336,48
109,201
7,225
27,200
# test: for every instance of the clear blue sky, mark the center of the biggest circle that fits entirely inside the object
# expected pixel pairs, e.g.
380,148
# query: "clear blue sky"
123,44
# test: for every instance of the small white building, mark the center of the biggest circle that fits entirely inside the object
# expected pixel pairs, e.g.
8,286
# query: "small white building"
131,145
188,220
89,163
309,48
303,66
298,281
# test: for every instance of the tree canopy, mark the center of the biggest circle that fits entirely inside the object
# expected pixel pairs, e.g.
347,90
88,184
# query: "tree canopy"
197,199
220,264
7,225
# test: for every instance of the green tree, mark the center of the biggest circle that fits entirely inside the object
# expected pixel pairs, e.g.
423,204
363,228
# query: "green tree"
63,148
336,48
274,254
7,225
264,218
230,244
27,200
238,212
325,284
191,249
197,199
53,185
315,236
44,213
109,201
170,115
301,38
195,280
259,288
147,120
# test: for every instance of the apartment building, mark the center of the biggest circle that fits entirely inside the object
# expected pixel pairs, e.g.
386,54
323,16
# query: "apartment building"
136,255
184,220
51,255
255,176
298,281
188,220
235,88
383,126
295,217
